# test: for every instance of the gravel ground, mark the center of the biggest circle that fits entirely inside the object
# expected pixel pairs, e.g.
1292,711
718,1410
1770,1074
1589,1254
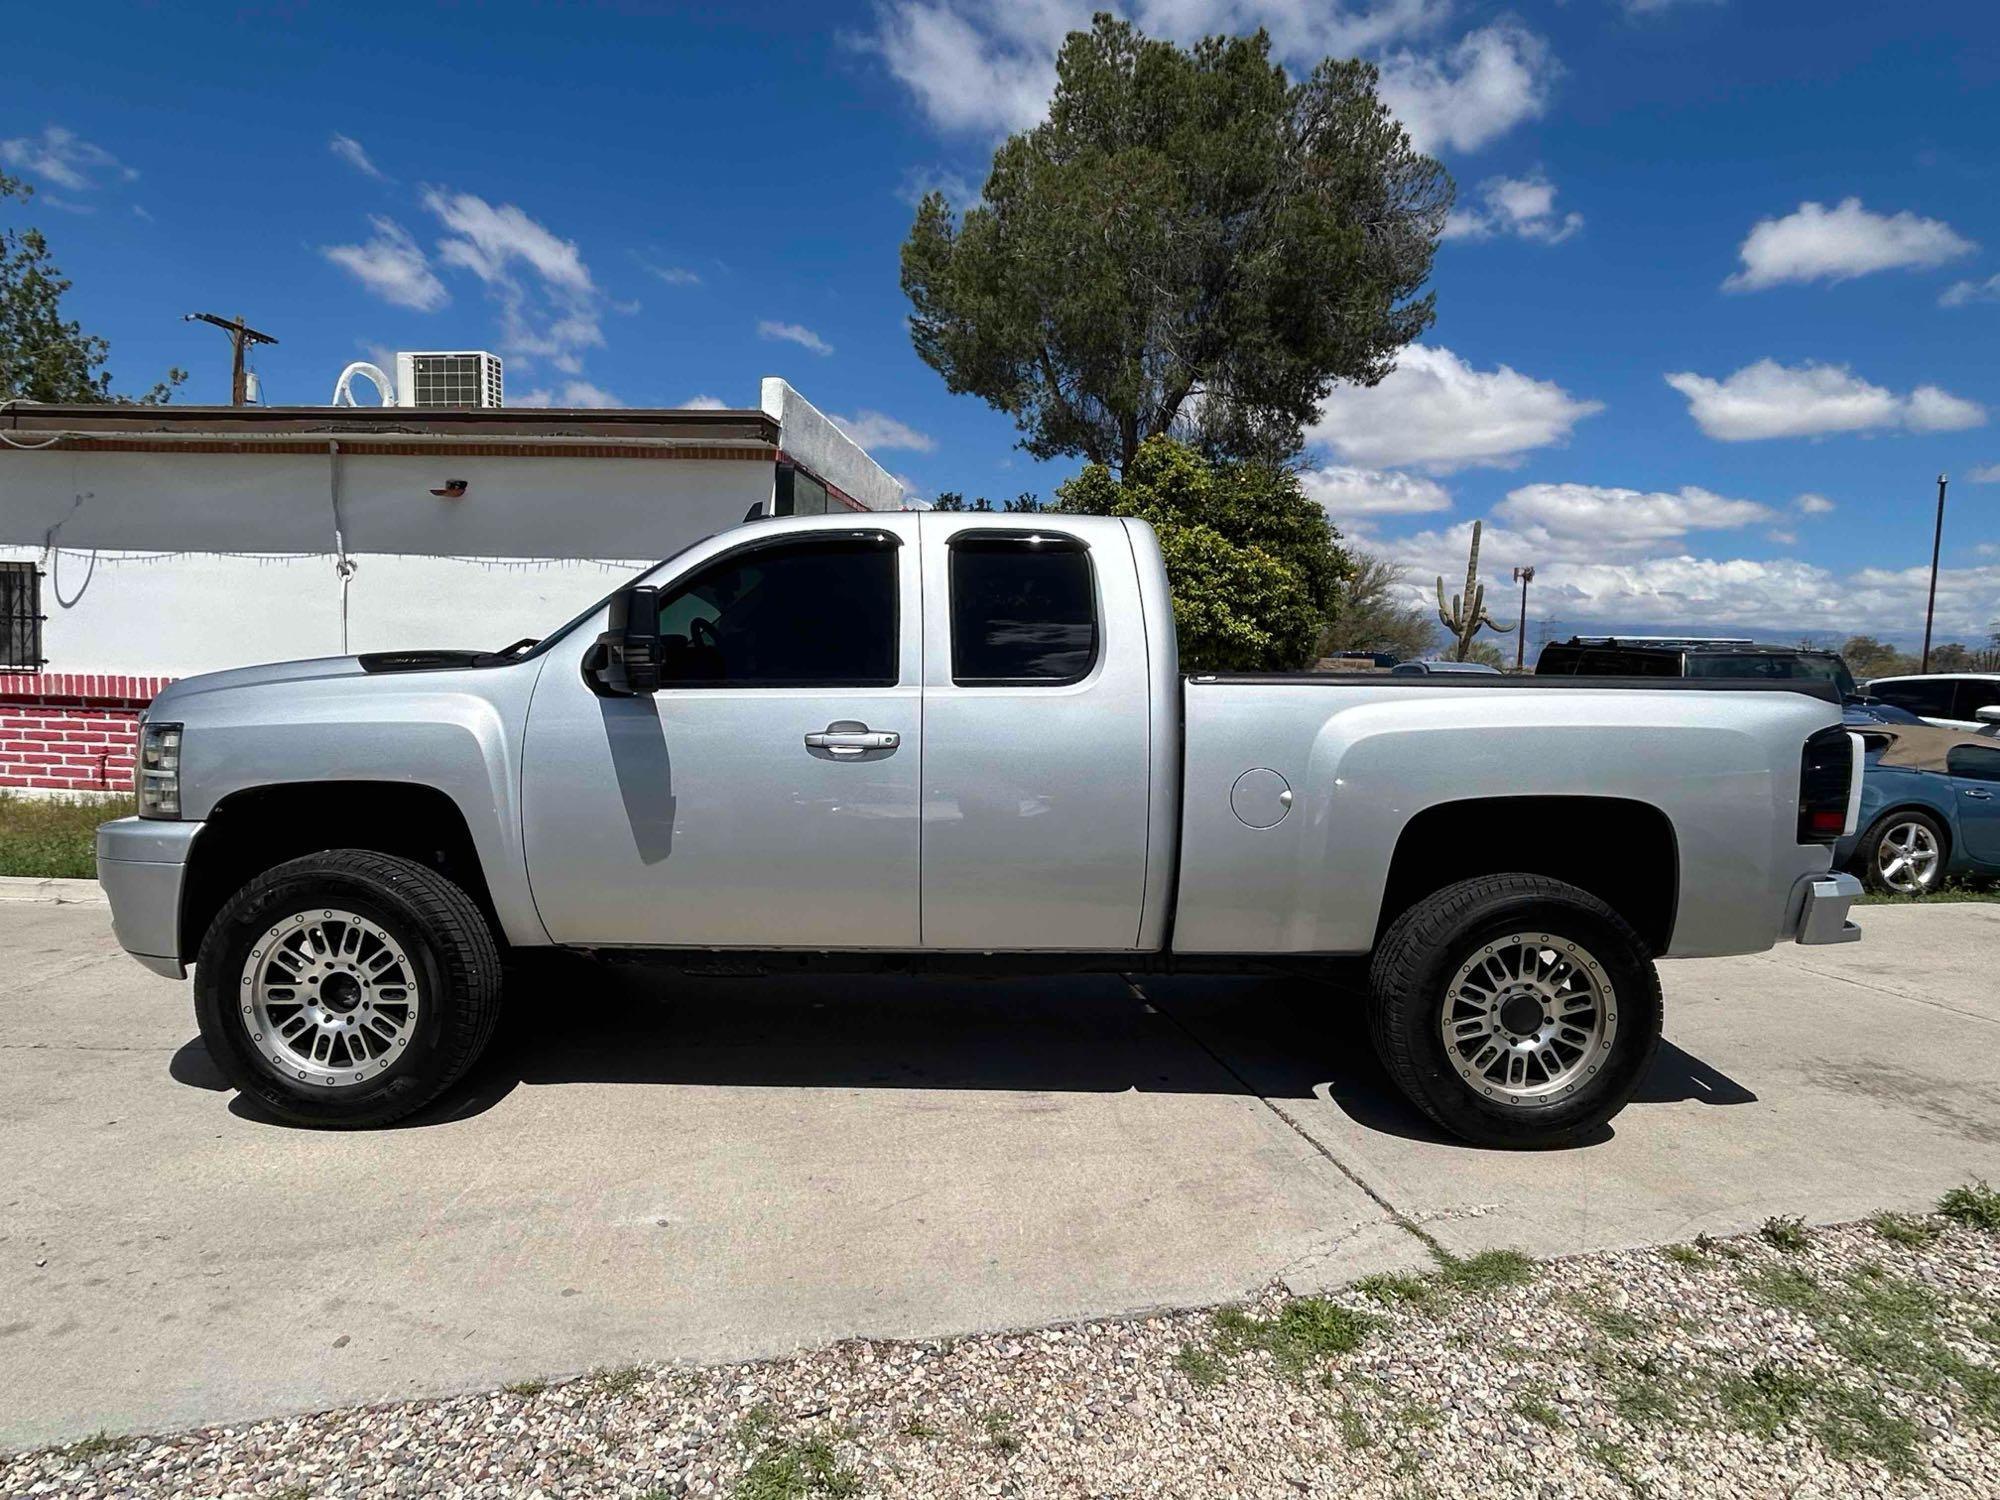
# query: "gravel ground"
1860,1360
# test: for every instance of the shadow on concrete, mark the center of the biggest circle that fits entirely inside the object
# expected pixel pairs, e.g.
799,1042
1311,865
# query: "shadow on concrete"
572,1020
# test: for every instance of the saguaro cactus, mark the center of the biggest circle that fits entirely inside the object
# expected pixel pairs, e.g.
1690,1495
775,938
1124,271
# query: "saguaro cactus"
1468,610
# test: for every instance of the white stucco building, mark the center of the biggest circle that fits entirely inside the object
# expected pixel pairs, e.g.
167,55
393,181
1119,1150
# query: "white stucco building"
171,540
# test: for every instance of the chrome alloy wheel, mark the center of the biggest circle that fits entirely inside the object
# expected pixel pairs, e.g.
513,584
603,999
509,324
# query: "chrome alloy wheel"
328,998
1907,857
1528,1018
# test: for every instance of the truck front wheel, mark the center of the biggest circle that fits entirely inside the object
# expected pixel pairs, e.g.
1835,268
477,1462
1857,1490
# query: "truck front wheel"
347,988
1515,1010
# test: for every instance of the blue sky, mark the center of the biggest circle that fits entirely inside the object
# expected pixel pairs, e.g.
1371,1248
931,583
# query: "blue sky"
1721,300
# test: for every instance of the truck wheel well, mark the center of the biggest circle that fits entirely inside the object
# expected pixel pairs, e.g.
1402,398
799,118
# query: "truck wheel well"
250,831
1629,861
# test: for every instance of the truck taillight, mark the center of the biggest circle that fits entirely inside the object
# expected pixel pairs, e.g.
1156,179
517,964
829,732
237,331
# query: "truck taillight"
1826,774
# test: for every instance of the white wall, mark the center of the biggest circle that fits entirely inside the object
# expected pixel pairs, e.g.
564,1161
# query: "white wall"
264,502
173,592
173,615
806,434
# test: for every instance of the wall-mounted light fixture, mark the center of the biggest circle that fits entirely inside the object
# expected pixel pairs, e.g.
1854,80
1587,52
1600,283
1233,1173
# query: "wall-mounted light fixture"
454,489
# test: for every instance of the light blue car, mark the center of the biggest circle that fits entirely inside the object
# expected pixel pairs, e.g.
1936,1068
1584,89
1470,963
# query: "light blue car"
1930,809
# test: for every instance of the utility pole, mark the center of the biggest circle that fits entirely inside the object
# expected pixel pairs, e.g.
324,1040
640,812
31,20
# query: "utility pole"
240,335
1524,577
1930,604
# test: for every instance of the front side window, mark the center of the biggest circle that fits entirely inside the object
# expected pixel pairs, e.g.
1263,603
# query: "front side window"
1927,697
1974,762
804,614
1023,610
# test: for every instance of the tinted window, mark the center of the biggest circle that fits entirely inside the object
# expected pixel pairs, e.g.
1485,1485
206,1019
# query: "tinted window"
1022,610
814,614
1557,661
1611,662
1974,762
1929,696
1974,693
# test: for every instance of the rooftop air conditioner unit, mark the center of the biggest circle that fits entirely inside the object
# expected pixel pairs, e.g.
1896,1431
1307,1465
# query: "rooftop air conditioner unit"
461,377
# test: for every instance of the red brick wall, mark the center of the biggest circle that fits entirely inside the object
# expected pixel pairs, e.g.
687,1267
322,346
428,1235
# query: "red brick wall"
71,731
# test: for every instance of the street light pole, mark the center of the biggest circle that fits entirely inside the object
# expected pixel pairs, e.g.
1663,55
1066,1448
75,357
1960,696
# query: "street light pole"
1524,577
1930,604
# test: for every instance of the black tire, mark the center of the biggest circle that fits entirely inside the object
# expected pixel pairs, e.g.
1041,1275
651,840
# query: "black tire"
1414,969
438,927
1868,853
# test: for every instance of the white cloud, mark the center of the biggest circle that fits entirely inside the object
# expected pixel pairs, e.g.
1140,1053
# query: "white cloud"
1770,400
1960,293
1589,521
1985,474
572,393
1436,412
349,150
672,275
1521,206
960,191
704,403
392,266
1492,80
1657,7
1353,498
988,66
873,430
1817,243
550,307
60,156
794,333
1934,410
1812,505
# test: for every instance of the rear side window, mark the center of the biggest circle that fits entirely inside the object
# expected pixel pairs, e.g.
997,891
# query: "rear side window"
1974,693
1975,762
1023,610
1611,662
813,614
1930,697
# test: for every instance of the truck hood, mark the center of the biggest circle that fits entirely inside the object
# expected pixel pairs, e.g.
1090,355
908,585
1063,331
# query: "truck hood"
179,693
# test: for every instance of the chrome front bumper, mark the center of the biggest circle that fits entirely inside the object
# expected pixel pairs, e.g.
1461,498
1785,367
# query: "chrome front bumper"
1823,910
140,864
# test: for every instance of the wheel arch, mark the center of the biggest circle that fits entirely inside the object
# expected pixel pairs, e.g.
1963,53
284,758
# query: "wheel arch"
257,828
1631,862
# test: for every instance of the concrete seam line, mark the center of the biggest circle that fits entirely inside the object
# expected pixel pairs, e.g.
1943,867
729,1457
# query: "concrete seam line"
1396,1216
52,890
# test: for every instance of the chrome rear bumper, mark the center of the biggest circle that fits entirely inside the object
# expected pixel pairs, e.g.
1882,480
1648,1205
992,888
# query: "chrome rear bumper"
1823,912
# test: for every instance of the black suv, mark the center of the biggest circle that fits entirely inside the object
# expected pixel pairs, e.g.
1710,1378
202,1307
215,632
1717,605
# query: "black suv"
1675,656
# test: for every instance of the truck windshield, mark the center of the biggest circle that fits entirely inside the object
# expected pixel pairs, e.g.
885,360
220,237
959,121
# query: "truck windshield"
1816,666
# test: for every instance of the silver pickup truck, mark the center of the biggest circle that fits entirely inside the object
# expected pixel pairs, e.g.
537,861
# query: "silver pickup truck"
961,743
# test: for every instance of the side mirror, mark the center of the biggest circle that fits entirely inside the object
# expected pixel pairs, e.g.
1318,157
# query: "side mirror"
625,662
1988,715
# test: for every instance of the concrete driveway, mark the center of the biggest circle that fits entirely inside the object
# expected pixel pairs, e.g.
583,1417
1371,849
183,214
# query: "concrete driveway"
647,1171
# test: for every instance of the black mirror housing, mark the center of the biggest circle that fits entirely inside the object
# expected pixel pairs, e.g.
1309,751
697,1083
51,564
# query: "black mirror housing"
625,662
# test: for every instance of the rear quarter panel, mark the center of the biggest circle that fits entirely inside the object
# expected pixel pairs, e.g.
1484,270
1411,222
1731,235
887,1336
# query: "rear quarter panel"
1362,760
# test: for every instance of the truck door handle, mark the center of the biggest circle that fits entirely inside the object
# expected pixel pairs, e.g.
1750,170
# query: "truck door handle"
842,739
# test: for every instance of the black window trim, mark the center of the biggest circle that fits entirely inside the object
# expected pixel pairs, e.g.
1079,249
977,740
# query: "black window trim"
24,620
793,542
1056,541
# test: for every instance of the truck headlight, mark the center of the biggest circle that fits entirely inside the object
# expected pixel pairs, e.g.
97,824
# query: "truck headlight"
159,778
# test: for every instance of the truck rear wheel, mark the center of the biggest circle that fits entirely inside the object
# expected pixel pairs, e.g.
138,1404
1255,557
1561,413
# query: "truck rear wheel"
1515,1010
347,988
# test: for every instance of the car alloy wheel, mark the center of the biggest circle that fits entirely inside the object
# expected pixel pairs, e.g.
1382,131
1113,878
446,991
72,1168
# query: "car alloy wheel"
1907,857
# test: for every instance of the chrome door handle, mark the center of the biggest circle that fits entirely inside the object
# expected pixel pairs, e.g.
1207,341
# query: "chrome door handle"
1982,796
853,741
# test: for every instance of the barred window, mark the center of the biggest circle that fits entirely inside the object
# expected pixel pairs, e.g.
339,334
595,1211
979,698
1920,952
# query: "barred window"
20,617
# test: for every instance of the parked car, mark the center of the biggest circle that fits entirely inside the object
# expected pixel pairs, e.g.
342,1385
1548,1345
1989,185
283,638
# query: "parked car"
1950,700
1439,668
1690,656
1930,810
960,744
